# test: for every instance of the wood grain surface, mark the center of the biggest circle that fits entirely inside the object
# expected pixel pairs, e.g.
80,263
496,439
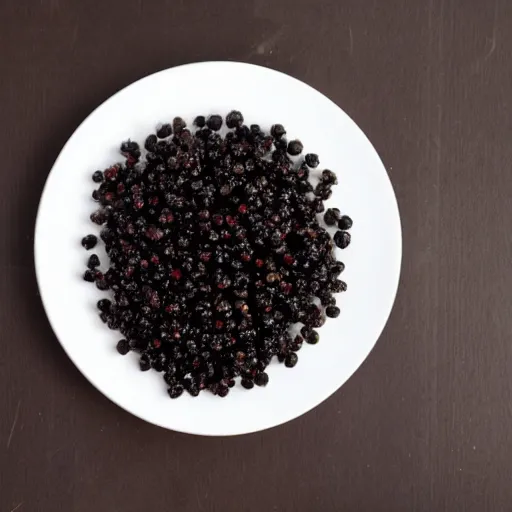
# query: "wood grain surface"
426,423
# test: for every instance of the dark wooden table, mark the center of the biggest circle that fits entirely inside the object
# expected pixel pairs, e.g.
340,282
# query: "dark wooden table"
425,424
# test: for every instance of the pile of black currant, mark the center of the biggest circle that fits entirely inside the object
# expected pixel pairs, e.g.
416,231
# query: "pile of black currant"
215,251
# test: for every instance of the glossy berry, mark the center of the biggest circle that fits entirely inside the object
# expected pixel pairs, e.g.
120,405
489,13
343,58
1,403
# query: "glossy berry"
331,217
89,276
277,131
337,268
176,391
214,122
234,119
305,331
339,286
150,143
104,305
329,178
345,222
99,217
89,241
342,239
332,311
97,177
93,262
247,383
313,338
163,131
312,160
261,379
291,360
130,148
223,391
295,147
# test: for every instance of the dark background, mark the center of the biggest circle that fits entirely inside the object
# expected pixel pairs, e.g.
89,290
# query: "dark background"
425,423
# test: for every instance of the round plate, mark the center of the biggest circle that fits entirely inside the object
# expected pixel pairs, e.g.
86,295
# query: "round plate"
372,260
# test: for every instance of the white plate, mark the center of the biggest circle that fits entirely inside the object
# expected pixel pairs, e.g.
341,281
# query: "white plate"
372,260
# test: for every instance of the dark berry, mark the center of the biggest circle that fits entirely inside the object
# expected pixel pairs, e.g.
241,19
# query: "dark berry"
99,217
261,379
247,383
345,222
330,217
214,122
328,300
93,262
296,344
176,391
339,286
318,205
123,347
97,177
312,338
89,276
163,131
89,241
222,391
305,331
200,121
178,124
130,148
342,239
102,284
193,391
150,143
329,178
312,160
337,268
295,147
104,305
234,119
277,131
291,360
332,311
144,363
